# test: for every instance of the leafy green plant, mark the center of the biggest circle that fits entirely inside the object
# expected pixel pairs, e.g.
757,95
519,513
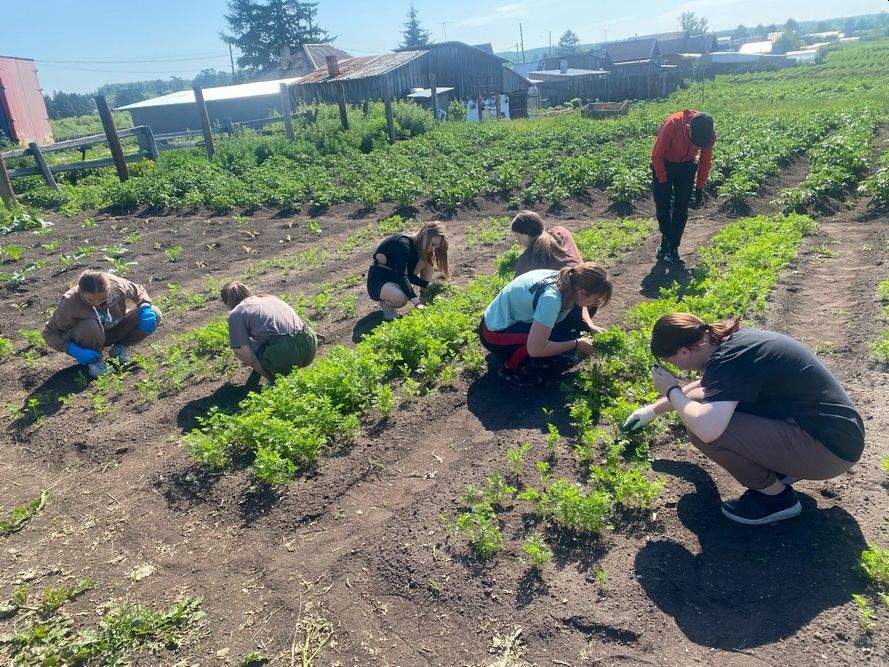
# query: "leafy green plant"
33,337
874,562
516,456
865,612
6,347
119,266
173,254
20,515
536,551
479,525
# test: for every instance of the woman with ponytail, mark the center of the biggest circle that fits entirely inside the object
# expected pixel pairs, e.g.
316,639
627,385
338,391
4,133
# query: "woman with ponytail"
765,409
551,249
519,322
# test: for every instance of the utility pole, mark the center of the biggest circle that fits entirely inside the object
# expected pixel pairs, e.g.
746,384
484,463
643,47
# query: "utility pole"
443,30
550,43
231,57
522,41
605,35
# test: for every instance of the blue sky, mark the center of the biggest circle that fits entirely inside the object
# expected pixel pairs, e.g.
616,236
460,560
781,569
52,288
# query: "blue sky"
164,38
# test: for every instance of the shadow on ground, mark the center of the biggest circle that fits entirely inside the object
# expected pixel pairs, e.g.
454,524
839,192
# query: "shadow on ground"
664,275
749,586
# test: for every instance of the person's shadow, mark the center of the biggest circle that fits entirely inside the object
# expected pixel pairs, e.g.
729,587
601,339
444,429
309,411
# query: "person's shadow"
664,275
50,395
366,325
749,585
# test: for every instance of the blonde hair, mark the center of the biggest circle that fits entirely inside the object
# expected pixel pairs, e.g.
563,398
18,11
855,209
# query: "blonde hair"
233,292
438,257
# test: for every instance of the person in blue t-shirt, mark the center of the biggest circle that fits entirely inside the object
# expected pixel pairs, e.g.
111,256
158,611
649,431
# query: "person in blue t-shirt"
519,321
766,409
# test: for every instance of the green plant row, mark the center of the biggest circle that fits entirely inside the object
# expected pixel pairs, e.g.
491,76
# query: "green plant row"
735,274
837,163
288,425
877,185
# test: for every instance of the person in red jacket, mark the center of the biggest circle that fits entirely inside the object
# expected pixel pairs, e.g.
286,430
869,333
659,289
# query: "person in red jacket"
674,162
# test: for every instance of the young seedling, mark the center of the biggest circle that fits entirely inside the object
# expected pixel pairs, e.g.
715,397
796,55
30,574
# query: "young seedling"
865,612
536,551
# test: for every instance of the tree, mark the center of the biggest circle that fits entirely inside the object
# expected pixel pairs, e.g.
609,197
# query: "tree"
761,31
260,28
693,24
414,35
791,26
788,41
568,42
741,33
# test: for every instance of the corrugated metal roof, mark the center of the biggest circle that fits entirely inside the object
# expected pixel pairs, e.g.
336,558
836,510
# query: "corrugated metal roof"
363,67
21,101
570,72
317,53
253,89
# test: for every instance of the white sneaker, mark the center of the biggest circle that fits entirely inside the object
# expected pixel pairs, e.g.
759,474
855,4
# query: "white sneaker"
97,368
389,313
122,353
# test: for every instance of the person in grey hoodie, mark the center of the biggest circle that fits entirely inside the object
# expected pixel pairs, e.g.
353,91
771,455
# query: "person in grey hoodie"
93,315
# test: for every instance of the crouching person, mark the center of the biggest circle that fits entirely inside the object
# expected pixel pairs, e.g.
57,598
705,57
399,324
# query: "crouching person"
265,333
93,315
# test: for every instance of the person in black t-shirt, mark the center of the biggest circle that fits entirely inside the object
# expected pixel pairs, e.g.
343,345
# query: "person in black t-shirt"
402,260
765,409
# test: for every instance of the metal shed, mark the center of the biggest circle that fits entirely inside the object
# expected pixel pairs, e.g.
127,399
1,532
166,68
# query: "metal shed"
23,115
177,112
365,78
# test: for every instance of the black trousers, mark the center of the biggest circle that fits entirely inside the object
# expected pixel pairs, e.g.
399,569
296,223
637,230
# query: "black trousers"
671,199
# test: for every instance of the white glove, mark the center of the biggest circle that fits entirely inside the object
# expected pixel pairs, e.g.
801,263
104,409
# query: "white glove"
640,417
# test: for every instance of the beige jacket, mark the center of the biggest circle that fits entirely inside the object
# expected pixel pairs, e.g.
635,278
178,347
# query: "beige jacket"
72,309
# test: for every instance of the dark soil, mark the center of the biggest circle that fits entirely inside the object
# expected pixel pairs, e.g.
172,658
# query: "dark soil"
359,541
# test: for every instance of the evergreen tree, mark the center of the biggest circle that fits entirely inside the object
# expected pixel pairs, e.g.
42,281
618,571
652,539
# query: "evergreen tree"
414,35
693,24
741,32
260,28
568,42
791,26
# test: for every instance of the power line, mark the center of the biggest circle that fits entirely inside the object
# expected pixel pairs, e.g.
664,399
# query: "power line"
122,71
130,62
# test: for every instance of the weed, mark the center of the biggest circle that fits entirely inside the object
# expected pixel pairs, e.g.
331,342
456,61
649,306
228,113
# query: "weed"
825,347
490,231
89,222
601,579
33,337
865,612
173,253
516,456
20,515
316,634
874,562
313,227
131,238
535,549
479,524
435,587
6,347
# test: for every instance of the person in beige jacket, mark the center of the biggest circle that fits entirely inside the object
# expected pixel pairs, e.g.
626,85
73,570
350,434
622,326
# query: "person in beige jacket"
93,315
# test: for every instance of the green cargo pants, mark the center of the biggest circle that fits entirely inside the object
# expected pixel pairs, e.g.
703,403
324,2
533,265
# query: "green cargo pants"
281,354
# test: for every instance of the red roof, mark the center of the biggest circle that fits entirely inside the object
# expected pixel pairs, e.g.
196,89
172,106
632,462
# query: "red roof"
21,101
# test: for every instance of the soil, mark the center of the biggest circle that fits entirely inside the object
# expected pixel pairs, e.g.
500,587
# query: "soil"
359,541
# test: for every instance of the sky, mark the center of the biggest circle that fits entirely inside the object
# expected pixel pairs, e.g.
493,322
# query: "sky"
82,44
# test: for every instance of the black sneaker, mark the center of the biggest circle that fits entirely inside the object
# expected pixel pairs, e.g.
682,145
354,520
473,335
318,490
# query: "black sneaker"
787,479
672,257
758,509
520,377
662,249
558,362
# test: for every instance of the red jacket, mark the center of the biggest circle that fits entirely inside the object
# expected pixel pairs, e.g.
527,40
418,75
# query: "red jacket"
674,145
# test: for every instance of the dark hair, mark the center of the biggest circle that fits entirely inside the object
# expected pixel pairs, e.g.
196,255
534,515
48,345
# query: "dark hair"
701,125
438,257
527,222
588,276
94,282
677,330
233,292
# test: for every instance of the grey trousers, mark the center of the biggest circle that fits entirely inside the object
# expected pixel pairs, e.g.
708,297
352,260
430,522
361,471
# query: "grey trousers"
753,449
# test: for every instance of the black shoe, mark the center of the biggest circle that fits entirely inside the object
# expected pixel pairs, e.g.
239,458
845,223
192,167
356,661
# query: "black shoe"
559,362
520,377
758,509
787,479
672,257
662,249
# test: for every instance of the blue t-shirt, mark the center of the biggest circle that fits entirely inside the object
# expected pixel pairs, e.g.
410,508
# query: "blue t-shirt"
515,303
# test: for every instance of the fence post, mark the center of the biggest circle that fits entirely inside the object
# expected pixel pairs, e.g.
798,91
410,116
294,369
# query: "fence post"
497,103
480,119
434,91
205,121
341,101
41,164
113,140
387,106
6,193
287,112
150,143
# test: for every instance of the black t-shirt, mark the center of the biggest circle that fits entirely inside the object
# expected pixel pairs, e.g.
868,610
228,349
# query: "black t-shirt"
402,257
773,375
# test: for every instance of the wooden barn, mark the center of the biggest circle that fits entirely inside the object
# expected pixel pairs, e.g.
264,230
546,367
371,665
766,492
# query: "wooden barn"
23,116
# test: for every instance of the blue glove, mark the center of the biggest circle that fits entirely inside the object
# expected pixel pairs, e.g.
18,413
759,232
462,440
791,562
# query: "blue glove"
147,318
82,355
